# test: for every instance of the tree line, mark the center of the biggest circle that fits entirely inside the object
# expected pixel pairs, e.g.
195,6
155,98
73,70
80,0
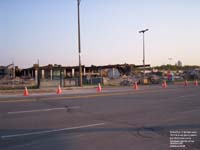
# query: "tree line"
175,67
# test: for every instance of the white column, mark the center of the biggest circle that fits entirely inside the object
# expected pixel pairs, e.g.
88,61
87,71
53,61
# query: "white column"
51,74
64,73
73,72
42,73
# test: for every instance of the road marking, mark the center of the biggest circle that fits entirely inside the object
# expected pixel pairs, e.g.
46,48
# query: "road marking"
51,131
15,101
185,96
42,110
130,92
68,97
74,107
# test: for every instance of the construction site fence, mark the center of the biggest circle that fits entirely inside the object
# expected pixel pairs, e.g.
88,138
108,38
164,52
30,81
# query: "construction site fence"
31,83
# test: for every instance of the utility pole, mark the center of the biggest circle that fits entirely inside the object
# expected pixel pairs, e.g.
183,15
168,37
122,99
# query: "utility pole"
79,46
38,74
143,31
170,59
13,74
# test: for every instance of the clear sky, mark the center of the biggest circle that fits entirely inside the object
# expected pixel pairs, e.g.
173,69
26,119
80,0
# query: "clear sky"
47,30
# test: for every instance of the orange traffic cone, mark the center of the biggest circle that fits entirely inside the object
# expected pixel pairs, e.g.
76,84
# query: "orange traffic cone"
26,91
186,83
99,88
196,83
59,91
135,86
164,84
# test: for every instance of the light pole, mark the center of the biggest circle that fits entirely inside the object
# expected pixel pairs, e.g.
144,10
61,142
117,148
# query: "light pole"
143,31
170,59
79,46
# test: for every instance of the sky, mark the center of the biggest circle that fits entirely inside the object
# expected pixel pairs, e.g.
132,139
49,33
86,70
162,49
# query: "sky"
46,30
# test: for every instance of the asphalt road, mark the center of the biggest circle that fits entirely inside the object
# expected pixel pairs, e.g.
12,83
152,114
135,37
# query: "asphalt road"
115,119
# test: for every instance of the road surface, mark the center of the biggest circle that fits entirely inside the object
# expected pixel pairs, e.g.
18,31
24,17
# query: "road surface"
112,120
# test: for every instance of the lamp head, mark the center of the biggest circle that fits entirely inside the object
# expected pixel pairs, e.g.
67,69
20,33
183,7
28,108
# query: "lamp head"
142,31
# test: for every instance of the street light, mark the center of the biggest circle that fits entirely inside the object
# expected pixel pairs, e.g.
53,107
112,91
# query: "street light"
143,31
170,59
79,46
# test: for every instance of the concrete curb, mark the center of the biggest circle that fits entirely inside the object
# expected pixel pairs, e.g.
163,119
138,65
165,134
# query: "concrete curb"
42,90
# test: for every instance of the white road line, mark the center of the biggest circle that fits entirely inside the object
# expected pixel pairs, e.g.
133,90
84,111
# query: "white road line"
74,107
51,131
42,110
185,96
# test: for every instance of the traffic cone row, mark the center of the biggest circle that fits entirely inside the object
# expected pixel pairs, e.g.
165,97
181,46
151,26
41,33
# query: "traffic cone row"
196,83
164,84
186,83
99,89
59,91
135,86
26,91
